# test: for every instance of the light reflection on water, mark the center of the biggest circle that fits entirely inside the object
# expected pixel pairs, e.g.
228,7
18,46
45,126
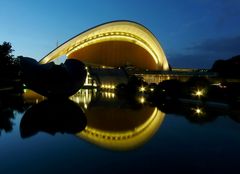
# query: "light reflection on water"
110,123
114,125
120,128
93,127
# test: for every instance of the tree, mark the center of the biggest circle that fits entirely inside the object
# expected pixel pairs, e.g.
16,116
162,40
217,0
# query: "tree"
227,68
6,57
10,81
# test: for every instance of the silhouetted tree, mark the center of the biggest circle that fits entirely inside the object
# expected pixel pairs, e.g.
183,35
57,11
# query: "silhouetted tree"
134,83
172,88
132,87
227,68
166,90
199,82
9,71
6,57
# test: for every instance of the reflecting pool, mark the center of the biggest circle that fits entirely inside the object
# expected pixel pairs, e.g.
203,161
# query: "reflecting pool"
100,132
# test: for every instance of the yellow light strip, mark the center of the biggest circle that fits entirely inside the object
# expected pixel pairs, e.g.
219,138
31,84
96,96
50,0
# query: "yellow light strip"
124,36
100,134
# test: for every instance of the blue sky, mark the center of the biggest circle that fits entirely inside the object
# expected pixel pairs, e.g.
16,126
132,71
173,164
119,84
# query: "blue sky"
193,33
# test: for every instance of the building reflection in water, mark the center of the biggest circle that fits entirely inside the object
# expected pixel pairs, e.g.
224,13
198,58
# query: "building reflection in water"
117,124
84,97
112,122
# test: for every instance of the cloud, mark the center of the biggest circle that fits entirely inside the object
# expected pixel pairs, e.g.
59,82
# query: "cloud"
220,46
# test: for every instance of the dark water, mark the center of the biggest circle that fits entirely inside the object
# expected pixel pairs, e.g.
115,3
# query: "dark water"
109,135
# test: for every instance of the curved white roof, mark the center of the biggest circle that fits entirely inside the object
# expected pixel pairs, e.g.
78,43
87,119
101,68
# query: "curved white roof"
113,31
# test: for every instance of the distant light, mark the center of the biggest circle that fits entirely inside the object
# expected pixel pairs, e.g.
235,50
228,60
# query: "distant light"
220,85
142,100
198,111
108,86
199,93
152,89
142,89
113,95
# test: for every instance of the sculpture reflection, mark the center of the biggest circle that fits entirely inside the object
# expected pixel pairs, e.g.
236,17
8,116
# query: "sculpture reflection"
119,125
52,116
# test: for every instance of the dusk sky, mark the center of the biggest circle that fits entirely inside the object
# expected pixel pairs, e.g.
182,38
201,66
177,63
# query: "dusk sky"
193,33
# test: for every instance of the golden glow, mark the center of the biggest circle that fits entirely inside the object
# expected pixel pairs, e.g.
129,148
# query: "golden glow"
83,97
125,139
109,95
114,36
142,89
142,100
131,129
199,93
30,96
108,86
198,111
114,31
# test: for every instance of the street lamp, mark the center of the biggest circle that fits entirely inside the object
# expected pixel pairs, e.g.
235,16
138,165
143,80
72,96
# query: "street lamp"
142,89
199,93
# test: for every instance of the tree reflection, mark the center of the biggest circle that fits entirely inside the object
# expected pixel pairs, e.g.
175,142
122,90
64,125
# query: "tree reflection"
8,105
198,113
6,117
192,112
199,100
52,116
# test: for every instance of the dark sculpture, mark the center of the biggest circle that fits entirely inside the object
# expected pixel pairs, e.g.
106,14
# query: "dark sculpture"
53,80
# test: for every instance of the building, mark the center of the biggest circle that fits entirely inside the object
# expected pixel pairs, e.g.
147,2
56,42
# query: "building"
114,44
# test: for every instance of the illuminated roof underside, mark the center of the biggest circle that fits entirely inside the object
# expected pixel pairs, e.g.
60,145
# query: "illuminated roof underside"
114,44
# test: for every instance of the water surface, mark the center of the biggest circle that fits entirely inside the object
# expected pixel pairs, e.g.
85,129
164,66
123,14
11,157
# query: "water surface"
101,133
